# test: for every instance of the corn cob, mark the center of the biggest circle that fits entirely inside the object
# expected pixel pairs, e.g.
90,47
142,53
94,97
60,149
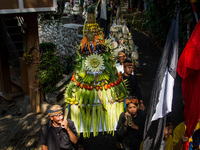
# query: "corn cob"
104,97
82,95
86,98
79,91
108,93
100,96
114,96
91,98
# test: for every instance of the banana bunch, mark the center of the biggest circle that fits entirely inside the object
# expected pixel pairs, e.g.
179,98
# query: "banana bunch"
72,93
89,78
104,76
69,94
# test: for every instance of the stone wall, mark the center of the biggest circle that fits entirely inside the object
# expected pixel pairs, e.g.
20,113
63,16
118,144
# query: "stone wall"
63,36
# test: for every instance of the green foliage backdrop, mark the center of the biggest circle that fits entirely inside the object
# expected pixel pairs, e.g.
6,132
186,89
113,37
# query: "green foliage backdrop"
159,14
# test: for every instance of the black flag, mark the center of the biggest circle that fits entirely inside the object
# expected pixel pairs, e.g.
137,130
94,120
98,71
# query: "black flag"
162,92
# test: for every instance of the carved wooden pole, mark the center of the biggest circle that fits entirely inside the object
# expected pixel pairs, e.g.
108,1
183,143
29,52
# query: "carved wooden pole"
32,47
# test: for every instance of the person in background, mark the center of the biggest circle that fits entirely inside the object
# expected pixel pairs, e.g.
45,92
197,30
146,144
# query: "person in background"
178,135
168,133
196,140
58,134
121,58
110,15
131,125
167,142
132,87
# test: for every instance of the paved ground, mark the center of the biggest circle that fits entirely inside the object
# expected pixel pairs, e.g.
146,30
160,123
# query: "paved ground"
21,130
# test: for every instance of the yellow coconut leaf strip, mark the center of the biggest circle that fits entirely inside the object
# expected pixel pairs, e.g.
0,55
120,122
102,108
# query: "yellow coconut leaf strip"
113,109
78,120
83,114
88,120
98,118
117,111
73,113
94,120
102,118
110,119
121,107
107,117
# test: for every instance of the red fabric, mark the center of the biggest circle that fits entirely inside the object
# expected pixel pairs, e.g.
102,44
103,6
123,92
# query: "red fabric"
189,69
186,146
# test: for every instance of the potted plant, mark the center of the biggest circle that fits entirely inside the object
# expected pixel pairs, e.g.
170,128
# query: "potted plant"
49,71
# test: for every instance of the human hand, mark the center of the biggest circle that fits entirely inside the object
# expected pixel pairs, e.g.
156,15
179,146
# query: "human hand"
127,114
65,124
184,139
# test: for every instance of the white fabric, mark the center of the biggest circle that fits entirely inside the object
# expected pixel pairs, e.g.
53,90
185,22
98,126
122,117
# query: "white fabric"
120,68
164,105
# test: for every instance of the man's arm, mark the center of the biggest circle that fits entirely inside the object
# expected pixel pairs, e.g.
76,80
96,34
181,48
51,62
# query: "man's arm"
72,136
122,124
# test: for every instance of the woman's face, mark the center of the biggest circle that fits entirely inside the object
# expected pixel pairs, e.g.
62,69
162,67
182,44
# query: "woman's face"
132,109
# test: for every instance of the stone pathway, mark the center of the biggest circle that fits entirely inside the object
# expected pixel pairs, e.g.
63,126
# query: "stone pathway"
19,130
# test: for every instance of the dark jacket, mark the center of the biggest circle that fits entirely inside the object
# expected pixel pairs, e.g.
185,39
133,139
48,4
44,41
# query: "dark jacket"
131,138
57,138
133,87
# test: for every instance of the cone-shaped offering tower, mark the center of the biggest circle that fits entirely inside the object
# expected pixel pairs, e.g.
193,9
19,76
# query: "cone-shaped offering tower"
96,91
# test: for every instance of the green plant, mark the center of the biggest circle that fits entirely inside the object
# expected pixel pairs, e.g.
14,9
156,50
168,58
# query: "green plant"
91,8
47,46
49,71
158,19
